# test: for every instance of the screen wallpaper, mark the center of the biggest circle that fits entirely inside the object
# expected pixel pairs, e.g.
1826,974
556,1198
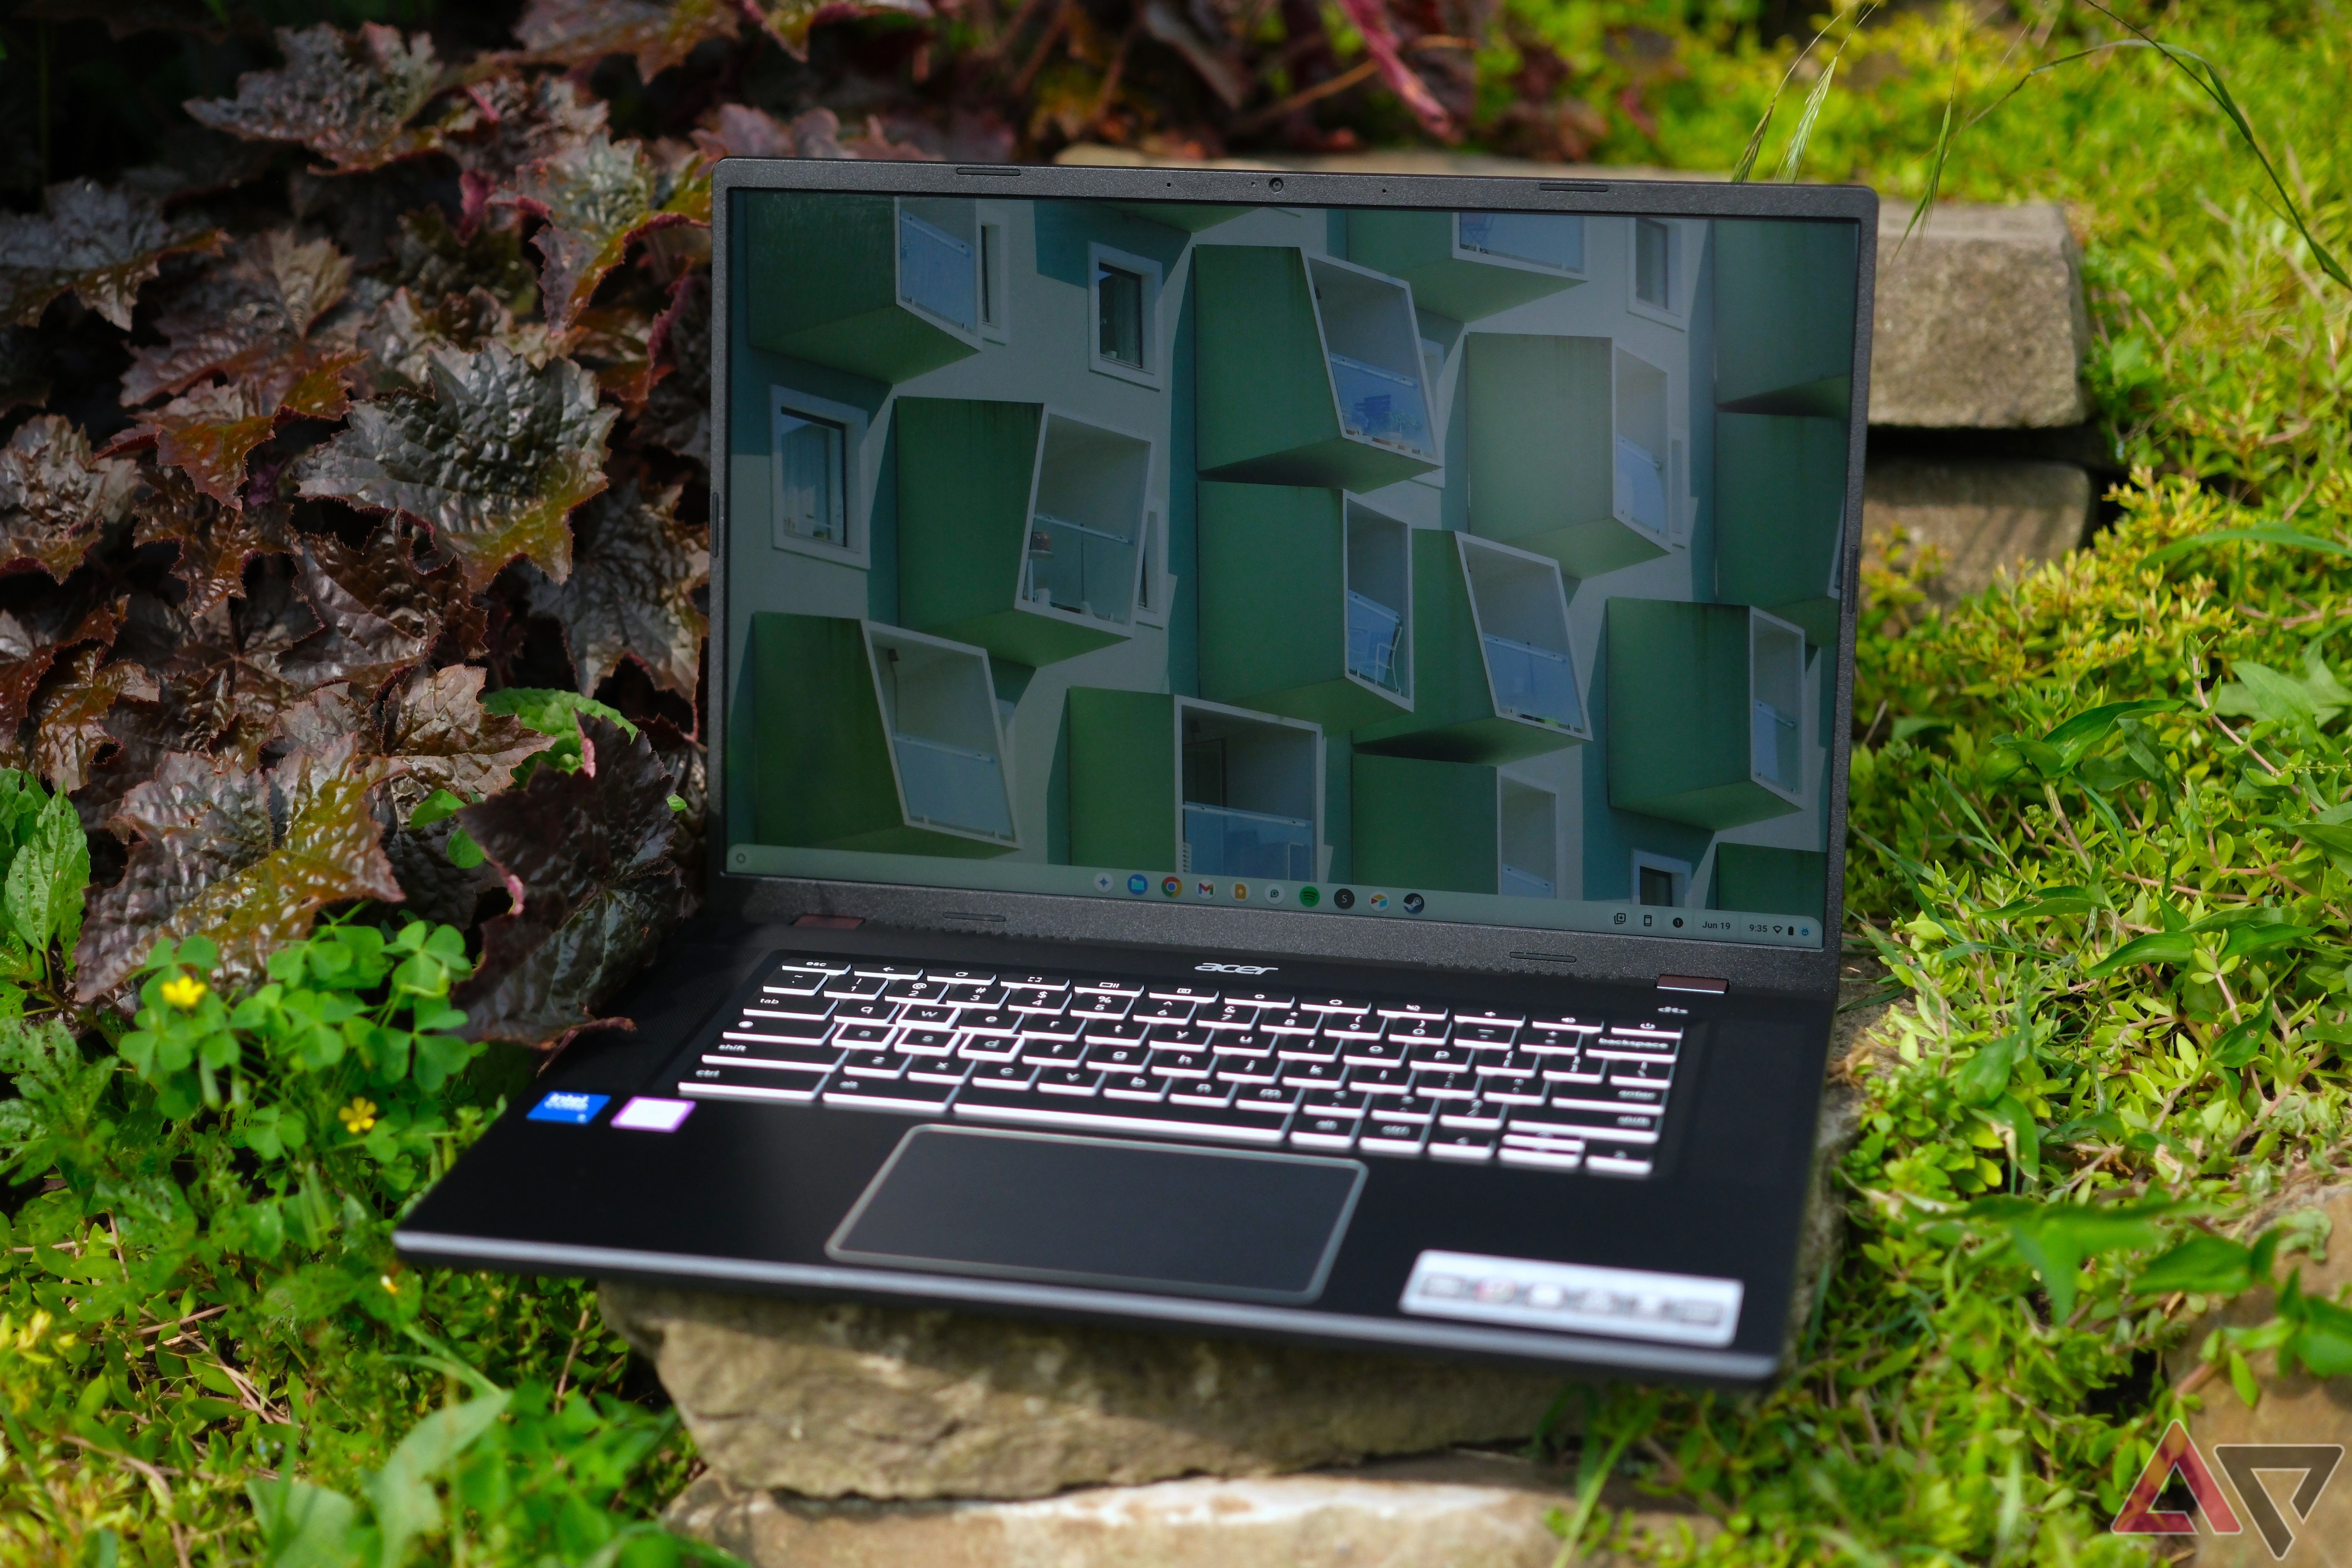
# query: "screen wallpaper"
1367,563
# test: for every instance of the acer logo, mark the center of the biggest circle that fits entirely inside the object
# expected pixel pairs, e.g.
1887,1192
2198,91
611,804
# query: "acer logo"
1237,968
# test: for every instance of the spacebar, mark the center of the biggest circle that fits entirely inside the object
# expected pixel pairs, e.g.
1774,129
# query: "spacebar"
1035,1110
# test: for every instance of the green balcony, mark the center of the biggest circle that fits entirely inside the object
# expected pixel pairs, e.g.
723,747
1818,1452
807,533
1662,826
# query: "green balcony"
1471,265
1494,675
1176,783
869,737
1310,371
1705,716
1780,517
1306,603
1020,527
886,287
1784,317
1572,450
1459,826
1755,879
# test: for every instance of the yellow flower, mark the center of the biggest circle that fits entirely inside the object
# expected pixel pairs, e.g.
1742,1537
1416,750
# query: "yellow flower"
358,1116
184,990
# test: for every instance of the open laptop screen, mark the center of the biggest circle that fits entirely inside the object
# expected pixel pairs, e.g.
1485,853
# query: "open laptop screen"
1367,563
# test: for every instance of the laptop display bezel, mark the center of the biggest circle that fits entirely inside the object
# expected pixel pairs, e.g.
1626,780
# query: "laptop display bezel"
1266,934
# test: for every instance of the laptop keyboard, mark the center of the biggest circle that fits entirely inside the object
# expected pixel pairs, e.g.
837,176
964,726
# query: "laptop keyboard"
1269,1068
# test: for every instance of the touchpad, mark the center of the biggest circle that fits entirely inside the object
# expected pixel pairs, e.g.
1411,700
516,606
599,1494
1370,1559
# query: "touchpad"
1093,1211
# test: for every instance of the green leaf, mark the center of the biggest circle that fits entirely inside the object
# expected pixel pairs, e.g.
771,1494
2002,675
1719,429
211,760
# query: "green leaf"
2074,737
2055,1238
2240,1045
2286,536
2024,1133
2253,938
2201,1265
2247,1388
2320,1334
303,1526
2175,947
402,1492
2057,901
2262,693
435,806
551,710
46,881
2334,838
1984,1078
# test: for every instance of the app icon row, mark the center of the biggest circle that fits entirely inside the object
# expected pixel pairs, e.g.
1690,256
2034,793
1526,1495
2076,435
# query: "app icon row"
1309,896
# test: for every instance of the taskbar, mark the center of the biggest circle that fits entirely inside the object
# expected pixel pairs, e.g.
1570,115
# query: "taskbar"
1320,896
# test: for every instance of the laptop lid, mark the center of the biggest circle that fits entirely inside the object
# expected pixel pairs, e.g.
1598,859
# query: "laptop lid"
1454,572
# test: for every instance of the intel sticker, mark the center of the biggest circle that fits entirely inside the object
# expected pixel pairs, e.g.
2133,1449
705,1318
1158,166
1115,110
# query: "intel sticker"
574,1109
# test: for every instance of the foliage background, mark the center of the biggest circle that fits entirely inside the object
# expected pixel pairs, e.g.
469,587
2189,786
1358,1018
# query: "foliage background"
258,672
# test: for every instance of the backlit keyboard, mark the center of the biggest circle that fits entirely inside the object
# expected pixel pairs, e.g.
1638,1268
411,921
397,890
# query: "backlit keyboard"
1543,1090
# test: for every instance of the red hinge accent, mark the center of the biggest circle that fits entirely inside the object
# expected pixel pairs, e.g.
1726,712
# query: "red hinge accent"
830,922
1707,983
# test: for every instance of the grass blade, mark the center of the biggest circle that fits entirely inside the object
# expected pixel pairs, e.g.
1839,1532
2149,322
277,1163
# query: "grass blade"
1746,168
1793,154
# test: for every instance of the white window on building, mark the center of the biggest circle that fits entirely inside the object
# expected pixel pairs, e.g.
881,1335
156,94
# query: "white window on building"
995,302
1657,270
815,444
1156,587
1125,320
1659,881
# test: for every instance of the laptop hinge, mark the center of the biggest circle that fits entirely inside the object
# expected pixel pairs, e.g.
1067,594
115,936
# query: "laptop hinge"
835,922
1707,983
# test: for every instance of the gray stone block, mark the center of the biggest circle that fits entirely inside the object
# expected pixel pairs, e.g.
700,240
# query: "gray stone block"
829,1399
2295,1409
1987,516
1980,323
1467,1510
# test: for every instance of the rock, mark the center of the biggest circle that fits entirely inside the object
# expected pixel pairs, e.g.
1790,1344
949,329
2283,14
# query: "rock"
1986,516
1980,323
1863,1003
1470,1510
2293,1410
828,1399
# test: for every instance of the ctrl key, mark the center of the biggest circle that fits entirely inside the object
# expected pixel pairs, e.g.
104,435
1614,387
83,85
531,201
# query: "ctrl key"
738,1083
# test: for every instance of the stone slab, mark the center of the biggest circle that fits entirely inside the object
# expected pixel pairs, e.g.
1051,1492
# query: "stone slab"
830,1399
2293,1410
1987,516
1469,1511
1980,323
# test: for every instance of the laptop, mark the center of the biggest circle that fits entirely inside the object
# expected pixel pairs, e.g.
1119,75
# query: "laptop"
1278,759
